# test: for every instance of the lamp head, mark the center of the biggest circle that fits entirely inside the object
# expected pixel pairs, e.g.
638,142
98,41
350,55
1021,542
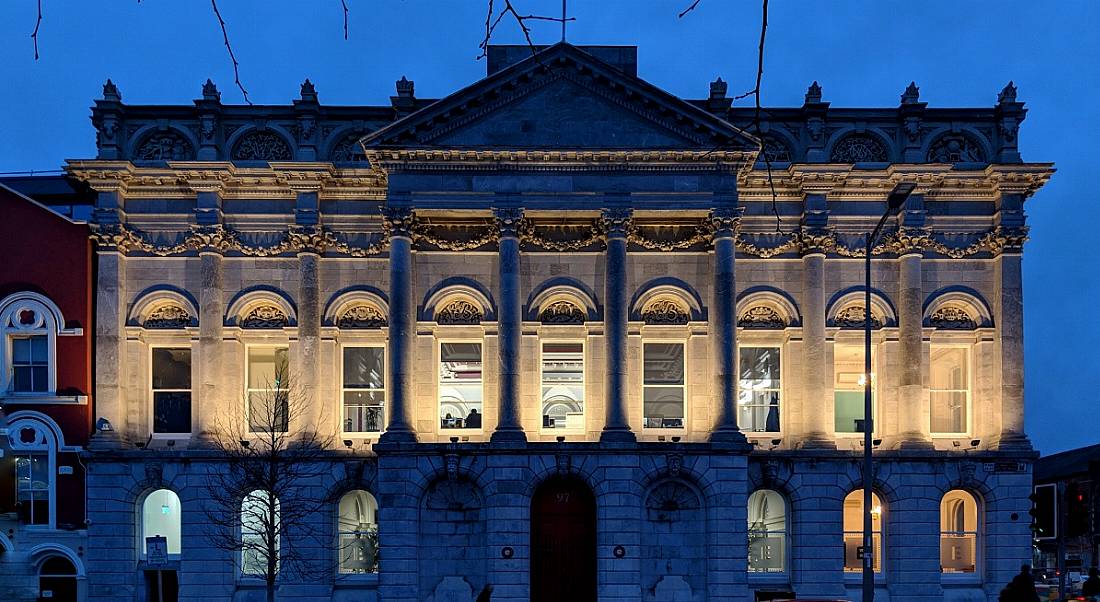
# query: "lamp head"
876,442
245,443
454,439
975,442
347,443
900,194
776,442
560,438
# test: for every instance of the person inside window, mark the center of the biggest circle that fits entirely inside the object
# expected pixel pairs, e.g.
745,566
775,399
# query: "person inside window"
473,421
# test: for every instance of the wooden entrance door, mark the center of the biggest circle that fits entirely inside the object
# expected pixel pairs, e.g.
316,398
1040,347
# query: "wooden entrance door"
563,542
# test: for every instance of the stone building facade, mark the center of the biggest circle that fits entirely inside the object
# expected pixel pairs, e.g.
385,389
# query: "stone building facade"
572,336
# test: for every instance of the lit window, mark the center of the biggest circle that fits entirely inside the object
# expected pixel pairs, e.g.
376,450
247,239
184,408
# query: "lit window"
160,517
260,532
853,531
268,391
663,390
758,389
767,532
958,532
32,491
357,539
30,364
460,382
364,389
950,390
848,394
563,386
171,390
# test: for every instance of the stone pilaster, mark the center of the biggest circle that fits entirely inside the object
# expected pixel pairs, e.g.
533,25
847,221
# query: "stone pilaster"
212,399
110,337
1008,316
399,223
914,410
817,399
315,407
616,224
725,223
509,325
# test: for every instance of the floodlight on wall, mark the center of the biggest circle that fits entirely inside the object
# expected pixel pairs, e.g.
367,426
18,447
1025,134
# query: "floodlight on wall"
974,443
465,439
103,425
955,444
454,439
560,438
170,443
676,439
661,438
244,443
876,442
348,443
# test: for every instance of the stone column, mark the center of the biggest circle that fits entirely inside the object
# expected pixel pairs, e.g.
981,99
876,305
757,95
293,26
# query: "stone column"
913,404
509,324
211,397
313,404
399,222
110,296
1008,318
817,410
616,224
724,319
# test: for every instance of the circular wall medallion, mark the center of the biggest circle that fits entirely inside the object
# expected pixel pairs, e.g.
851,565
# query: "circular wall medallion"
619,551
507,552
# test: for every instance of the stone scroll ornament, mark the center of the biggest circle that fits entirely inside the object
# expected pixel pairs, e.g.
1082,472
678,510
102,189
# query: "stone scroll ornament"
167,317
855,316
265,316
952,318
761,317
665,312
562,312
459,312
362,316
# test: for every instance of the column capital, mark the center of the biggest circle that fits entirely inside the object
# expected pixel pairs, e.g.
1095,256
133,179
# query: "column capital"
726,221
910,241
816,241
399,221
310,240
617,221
508,220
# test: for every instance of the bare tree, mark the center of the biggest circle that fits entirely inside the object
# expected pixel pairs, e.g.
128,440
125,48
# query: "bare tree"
264,485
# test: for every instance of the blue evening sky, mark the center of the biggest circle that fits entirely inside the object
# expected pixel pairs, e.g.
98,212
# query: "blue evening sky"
864,53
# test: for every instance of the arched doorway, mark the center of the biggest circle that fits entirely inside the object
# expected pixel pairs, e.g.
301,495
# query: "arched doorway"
563,542
57,580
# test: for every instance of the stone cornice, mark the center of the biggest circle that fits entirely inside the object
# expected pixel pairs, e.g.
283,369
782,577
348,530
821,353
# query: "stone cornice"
221,239
559,160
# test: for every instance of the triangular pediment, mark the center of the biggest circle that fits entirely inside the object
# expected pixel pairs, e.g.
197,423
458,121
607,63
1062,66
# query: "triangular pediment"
562,98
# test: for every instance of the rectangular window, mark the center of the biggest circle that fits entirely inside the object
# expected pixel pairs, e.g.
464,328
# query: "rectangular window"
563,386
268,391
460,382
950,390
848,394
30,364
171,381
758,389
32,490
364,389
663,388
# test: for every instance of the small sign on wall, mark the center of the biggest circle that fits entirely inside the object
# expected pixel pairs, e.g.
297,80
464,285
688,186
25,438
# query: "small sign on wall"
156,550
64,470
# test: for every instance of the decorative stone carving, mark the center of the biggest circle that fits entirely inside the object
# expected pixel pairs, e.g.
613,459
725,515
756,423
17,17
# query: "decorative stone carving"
399,221
617,222
956,148
813,93
453,495
459,311
563,463
549,241
774,150
951,317
348,149
665,311
361,316
769,472
167,317
450,460
726,220
669,498
218,238
859,148
165,146
967,470
509,222
154,473
675,464
562,312
854,316
816,240
265,316
761,317
262,146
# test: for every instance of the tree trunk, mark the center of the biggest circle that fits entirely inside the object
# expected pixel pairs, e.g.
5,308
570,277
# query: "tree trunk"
270,589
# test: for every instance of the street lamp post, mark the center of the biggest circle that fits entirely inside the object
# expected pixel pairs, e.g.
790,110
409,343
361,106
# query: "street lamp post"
894,201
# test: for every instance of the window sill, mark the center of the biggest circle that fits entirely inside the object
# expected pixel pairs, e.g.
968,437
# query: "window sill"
42,398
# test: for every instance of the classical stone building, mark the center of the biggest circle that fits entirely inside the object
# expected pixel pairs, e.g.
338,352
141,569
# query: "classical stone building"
573,336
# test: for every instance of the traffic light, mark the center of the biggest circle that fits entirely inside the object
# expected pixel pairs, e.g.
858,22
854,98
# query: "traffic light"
1077,509
1044,507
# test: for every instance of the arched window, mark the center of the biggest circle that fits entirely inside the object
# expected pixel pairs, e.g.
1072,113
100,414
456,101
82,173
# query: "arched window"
260,529
33,462
767,532
160,517
853,530
29,330
57,579
357,533
958,532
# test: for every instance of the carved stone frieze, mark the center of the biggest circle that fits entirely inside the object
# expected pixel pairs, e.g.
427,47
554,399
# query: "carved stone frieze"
265,316
509,222
262,145
664,312
956,148
560,238
859,148
725,221
855,316
617,222
699,235
361,316
220,239
762,317
562,312
459,311
167,317
816,240
773,244
165,146
951,317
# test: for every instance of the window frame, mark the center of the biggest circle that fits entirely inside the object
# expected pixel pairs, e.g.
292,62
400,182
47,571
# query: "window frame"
142,550
671,430
152,393
876,383
968,412
385,389
782,379
366,575
247,390
974,576
242,574
880,571
786,534
438,386
544,430
47,326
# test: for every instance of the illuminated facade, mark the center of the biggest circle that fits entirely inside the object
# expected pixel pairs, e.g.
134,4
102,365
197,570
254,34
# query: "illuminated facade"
564,339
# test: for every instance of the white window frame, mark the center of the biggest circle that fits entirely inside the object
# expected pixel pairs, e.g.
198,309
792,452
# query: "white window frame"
248,390
786,532
340,574
49,447
881,532
278,535
782,379
152,393
968,412
976,574
385,389
142,551
583,387
438,387
875,395
672,430
49,324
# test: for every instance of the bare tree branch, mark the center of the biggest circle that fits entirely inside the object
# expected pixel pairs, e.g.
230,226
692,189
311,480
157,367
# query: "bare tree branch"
232,57
521,20
688,9
34,34
344,3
